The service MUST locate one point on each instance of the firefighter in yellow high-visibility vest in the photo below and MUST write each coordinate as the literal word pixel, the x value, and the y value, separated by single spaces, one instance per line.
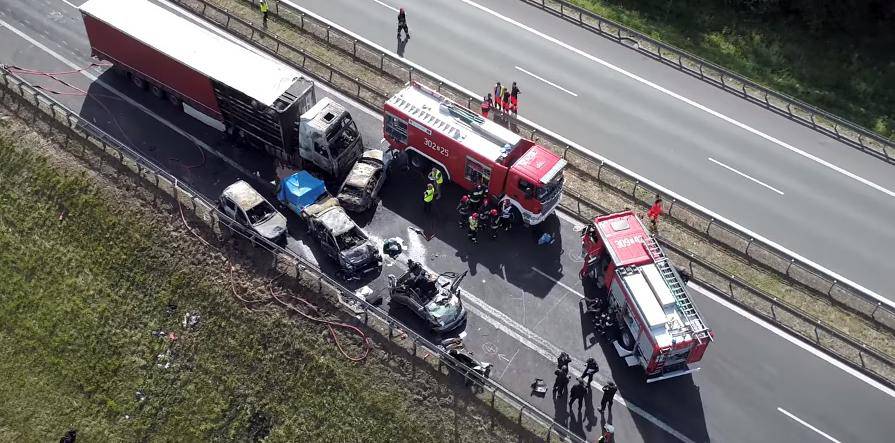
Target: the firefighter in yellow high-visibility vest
pixel 262 5
pixel 428 197
pixel 473 227
pixel 437 179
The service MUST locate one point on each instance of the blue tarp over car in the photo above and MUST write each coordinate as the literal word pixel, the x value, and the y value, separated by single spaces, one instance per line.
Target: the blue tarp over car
pixel 300 190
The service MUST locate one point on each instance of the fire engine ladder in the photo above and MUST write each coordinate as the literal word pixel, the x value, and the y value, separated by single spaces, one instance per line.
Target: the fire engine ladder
pixel 693 323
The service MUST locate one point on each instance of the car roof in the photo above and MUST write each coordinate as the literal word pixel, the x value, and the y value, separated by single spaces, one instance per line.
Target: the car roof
pixel 243 194
pixel 336 220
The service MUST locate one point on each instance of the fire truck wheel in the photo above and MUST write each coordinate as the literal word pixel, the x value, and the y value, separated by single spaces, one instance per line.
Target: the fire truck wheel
pixel 157 91
pixel 628 341
pixel 418 161
pixel 138 81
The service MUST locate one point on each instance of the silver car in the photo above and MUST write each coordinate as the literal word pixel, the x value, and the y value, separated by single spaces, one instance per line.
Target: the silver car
pixel 434 299
pixel 244 204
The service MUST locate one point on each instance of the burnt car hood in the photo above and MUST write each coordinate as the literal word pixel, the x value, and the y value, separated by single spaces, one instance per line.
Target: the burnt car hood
pixel 360 256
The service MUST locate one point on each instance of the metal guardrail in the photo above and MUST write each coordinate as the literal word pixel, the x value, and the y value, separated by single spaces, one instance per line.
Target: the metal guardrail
pixel 847 132
pixel 16 92
pixel 748 246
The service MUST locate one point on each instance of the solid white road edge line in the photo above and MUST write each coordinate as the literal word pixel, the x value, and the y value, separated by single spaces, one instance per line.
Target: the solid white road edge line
pixel 607 161
pixel 744 175
pixel 387 6
pixel 547 350
pixel 807 425
pixel 542 351
pixel 794 340
pixel 547 81
pixel 684 99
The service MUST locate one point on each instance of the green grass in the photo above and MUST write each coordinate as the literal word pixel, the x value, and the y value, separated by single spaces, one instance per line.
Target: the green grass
pixel 80 297
pixel 848 70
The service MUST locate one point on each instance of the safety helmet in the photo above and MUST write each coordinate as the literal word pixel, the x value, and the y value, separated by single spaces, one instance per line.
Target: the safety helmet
pixel 464 199
pixel 493 212
pixel 505 203
pixel 475 215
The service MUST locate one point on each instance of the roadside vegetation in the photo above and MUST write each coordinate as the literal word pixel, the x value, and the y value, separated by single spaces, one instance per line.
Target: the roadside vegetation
pixel 99 281
pixel 579 181
pixel 835 55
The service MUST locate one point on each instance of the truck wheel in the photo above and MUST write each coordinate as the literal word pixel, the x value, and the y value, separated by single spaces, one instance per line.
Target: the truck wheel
pixel 418 161
pixel 175 100
pixel 157 91
pixel 138 81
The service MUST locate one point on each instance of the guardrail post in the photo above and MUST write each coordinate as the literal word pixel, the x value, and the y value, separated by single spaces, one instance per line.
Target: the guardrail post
pixel 410 74
pixel 521 409
pixel 381 62
pixel 873 314
pixel 366 315
pixel 816 335
pixel 357 81
pixel 829 291
pixel 390 330
pixel 729 285
pixel 861 356
pixel 709 226
pixel 600 169
pixel 791 261
pixel 774 313
pixel 414 346
pixel 750 244
pixel 327 34
pixel 634 191
pixel 354 51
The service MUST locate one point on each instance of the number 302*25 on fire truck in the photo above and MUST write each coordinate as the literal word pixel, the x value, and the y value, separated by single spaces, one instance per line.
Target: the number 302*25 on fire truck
pixel 661 330
pixel 472 150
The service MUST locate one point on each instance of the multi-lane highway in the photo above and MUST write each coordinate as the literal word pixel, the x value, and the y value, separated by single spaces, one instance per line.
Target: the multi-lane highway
pixel 755 384
pixel 802 190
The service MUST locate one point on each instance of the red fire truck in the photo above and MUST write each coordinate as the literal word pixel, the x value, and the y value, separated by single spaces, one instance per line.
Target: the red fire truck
pixel 660 328
pixel 472 150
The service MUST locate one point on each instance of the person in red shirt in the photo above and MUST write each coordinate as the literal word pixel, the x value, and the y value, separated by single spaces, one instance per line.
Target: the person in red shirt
pixel 653 215
pixel 486 105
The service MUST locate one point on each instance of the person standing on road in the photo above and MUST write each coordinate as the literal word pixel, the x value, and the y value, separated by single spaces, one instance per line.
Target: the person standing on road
pixel 562 380
pixel 473 227
pixel 402 24
pixel 264 8
pixel 563 360
pixel 577 394
pixel 437 179
pixel 428 196
pixel 608 394
pixel 514 98
pixel 463 211
pixel 506 214
pixel 590 369
pixel 476 197
pixel 497 96
pixel 494 218
pixel 507 101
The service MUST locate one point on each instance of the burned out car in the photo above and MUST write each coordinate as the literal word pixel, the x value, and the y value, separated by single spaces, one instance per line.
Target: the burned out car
pixel 339 237
pixel 241 202
pixel 360 190
pixel 431 297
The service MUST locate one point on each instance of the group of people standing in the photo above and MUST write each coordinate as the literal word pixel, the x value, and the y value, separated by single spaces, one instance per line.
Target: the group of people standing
pixel 476 212
pixel 504 100
pixel 581 387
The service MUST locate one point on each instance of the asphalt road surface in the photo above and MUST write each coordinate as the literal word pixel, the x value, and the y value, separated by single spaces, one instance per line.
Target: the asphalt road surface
pixel 658 122
pixel 755 384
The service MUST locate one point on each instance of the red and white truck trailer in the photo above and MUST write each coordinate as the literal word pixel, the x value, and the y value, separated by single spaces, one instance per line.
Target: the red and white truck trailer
pixel 223 82
pixel 661 330
pixel 471 150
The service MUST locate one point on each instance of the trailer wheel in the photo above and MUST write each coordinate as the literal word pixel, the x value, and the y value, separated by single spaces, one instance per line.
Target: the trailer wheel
pixel 157 91
pixel 138 81
pixel 175 100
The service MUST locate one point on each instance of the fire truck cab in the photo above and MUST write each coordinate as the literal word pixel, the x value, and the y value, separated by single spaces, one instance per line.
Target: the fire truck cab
pixel 660 328
pixel 471 150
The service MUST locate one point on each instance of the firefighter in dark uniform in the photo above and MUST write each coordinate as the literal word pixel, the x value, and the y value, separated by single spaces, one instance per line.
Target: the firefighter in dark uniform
pixel 476 196
pixel 463 211
pixel 494 222
pixel 506 214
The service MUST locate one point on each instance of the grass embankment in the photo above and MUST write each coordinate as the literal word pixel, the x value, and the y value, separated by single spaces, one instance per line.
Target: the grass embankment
pixel 827 61
pixel 91 267
pixel 579 183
